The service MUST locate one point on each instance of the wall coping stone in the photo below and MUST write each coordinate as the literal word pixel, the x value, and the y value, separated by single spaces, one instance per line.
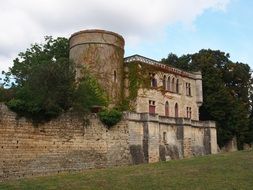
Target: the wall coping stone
pixel 146 117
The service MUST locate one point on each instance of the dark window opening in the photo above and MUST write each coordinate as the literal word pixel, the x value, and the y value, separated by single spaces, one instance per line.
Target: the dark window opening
pixel 168 84
pixel 114 76
pixel 172 85
pixel 177 86
pixel 167 112
pixel 176 110
pixel 153 80
pixel 164 82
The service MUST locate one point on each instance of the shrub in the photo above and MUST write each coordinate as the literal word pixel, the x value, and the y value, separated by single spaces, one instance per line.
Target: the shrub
pixel 110 117
pixel 88 94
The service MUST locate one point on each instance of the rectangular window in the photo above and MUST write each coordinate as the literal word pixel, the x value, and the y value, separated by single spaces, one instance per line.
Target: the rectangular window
pixel 164 137
pixel 188 112
pixel 151 107
pixel 188 89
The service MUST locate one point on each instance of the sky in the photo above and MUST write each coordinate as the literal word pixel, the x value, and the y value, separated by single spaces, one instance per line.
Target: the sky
pixel 152 28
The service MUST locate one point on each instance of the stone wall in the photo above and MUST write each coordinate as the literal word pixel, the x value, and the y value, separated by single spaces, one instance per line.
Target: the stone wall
pixel 63 144
pixel 154 138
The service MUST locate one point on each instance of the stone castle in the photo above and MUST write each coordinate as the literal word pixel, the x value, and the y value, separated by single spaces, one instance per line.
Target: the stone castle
pixel 163 123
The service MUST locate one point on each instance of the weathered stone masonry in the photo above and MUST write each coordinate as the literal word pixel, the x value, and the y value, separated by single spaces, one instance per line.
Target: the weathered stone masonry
pixel 154 138
pixel 65 144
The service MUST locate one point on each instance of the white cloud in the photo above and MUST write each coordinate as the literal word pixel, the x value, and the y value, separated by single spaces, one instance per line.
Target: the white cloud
pixel 27 21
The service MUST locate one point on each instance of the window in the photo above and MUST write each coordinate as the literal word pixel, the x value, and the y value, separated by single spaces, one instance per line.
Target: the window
pixel 151 107
pixel 164 137
pixel 188 112
pixel 164 82
pixel 177 86
pixel 188 89
pixel 167 110
pixel 168 84
pixel 172 85
pixel 114 76
pixel 153 80
pixel 176 110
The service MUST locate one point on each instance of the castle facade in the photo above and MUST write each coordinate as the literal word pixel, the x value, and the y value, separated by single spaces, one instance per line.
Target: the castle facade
pixel 162 122
pixel 164 101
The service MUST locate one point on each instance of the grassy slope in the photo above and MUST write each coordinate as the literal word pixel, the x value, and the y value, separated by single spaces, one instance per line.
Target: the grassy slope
pixel 223 171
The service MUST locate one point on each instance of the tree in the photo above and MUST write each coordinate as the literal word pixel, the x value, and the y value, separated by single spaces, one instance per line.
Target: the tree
pixel 51 51
pixel 45 83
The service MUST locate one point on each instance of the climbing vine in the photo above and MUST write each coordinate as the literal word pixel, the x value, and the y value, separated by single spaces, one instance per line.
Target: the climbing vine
pixel 138 77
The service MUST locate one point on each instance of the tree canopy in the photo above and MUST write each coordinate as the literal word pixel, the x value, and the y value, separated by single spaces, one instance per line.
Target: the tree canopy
pixel 44 83
pixel 226 92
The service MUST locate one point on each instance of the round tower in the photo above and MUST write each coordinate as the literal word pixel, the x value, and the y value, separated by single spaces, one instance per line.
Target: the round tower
pixel 102 53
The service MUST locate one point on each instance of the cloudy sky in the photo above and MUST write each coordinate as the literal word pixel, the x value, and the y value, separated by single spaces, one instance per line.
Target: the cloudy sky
pixel 152 28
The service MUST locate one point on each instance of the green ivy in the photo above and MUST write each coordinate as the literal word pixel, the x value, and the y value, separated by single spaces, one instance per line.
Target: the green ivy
pixel 138 76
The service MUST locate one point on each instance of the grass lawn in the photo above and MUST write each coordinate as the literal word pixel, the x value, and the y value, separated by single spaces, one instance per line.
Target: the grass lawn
pixel 222 171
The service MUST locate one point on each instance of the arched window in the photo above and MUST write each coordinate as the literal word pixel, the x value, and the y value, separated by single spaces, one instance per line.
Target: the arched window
pixel 167 110
pixel 168 84
pixel 164 82
pixel 176 110
pixel 114 76
pixel 173 85
pixel 177 86
pixel 153 81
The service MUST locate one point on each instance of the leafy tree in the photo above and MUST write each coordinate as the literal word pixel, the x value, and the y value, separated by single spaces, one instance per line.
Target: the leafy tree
pixel 182 62
pixel 46 92
pixel 226 87
pixel 45 83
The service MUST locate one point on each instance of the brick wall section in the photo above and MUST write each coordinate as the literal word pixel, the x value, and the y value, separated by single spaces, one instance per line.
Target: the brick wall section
pixel 63 144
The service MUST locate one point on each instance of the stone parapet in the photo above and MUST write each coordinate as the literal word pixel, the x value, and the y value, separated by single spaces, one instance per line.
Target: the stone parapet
pixel 145 117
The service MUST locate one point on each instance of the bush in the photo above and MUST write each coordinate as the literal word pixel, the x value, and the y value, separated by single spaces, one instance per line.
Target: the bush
pixel 110 117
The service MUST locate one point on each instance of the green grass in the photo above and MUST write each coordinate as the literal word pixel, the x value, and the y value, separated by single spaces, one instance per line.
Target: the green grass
pixel 222 171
